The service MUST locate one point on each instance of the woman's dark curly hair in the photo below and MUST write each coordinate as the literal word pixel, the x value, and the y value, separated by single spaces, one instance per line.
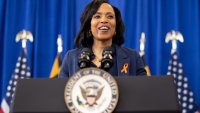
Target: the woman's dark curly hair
pixel 84 38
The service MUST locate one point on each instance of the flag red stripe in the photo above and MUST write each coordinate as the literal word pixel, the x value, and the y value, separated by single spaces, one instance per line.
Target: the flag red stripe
pixel 1 111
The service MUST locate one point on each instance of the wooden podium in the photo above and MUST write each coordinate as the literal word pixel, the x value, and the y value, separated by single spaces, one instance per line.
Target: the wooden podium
pixel 137 94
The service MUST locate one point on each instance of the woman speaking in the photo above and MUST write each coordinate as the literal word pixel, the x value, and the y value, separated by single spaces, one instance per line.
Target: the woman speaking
pixel 99 44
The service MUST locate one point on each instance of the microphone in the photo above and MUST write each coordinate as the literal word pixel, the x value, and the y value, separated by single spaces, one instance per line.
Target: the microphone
pixel 84 59
pixel 107 60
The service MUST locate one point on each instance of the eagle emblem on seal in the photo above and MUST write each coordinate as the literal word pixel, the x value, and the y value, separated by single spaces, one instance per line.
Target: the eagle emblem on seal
pixel 91 93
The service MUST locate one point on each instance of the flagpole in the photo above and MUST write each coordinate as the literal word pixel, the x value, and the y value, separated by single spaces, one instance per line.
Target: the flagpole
pixel 60 43
pixel 142 44
pixel 142 53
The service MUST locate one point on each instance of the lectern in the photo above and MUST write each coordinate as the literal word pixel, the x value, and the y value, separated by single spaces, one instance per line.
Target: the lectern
pixel 137 94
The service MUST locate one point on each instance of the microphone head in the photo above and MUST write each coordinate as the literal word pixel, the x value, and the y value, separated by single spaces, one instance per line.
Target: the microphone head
pixel 108 50
pixel 107 60
pixel 84 58
pixel 86 51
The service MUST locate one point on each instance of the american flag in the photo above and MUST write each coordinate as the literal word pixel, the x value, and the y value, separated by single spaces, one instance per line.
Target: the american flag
pixel 185 95
pixel 22 71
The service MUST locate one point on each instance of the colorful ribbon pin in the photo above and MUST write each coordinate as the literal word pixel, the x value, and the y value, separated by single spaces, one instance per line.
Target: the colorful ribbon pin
pixel 124 69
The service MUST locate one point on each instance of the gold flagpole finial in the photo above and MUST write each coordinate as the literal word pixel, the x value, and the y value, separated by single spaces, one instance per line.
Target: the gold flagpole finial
pixel 24 35
pixel 142 43
pixel 174 36
pixel 59 43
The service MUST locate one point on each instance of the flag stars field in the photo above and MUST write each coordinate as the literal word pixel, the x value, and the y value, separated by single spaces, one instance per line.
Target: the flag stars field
pixel 21 71
pixel 185 95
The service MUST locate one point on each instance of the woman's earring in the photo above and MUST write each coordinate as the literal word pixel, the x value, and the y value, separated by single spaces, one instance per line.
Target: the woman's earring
pixel 90 33
pixel 115 34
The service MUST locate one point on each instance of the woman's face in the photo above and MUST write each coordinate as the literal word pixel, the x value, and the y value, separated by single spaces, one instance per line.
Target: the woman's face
pixel 103 23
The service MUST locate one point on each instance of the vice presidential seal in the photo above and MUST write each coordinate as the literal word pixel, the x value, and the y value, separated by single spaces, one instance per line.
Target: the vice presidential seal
pixel 91 90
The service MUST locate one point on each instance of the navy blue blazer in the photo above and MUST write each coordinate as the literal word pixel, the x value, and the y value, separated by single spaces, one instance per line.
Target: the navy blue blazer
pixel 127 62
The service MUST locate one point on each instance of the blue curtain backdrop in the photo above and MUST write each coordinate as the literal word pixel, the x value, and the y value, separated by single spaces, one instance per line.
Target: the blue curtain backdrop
pixel 48 18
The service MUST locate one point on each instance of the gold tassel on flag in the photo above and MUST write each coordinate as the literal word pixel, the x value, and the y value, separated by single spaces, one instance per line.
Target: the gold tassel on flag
pixel 58 60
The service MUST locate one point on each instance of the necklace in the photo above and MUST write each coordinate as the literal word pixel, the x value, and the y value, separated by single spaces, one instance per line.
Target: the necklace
pixel 96 58
pixel 97 61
